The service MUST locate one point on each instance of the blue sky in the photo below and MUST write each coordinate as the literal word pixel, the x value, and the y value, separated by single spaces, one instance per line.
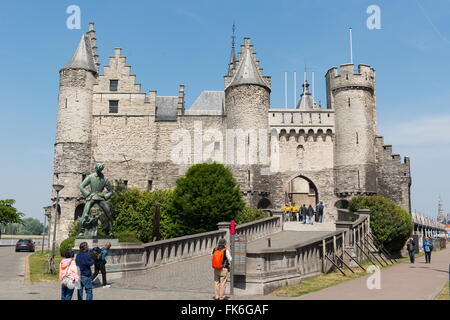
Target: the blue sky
pixel 168 43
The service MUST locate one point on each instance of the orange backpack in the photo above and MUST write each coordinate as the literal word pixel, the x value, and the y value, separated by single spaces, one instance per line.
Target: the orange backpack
pixel 218 258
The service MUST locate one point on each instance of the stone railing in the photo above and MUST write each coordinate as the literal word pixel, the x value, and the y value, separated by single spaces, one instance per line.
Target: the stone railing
pixel 355 230
pixel 182 248
pixel 269 269
pixel 258 229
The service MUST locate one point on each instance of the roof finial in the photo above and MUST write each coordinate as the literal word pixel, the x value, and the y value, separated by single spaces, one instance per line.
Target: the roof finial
pixel 233 54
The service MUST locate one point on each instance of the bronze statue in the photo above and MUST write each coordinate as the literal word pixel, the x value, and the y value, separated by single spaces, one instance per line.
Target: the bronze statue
pixel 98 182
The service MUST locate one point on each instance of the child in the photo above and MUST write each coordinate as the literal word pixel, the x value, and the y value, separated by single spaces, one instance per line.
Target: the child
pixel 68 268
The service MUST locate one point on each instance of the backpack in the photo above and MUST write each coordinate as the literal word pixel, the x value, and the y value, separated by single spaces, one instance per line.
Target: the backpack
pixel 96 254
pixel 218 258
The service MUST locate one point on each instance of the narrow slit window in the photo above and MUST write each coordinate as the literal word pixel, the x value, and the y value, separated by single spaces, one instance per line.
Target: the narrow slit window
pixel 149 185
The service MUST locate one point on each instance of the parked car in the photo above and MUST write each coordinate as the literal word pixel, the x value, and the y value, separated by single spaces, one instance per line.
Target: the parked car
pixel 25 245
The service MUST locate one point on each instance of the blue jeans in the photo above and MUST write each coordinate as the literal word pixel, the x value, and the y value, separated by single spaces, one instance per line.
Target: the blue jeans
pixel 66 293
pixel 86 283
pixel 304 219
pixel 411 255
pixel 310 219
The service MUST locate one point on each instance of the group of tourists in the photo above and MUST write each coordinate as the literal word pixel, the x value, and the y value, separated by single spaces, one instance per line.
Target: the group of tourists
pixel 427 246
pixel 77 274
pixel 303 214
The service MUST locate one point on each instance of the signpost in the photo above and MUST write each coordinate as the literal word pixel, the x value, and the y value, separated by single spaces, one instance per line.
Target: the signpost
pixel 232 235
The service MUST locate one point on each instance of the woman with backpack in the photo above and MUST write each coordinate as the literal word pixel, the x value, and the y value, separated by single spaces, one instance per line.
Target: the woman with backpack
pixel 68 275
pixel 221 259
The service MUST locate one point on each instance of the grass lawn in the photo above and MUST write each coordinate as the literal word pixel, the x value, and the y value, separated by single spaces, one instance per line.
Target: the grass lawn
pixel 326 280
pixel 38 265
pixel 445 293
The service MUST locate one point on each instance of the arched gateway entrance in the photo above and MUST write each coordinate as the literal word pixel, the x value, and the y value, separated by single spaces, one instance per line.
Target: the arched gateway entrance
pixel 300 190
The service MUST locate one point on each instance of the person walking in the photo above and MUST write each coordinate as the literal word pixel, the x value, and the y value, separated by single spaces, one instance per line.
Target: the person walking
pixel 68 275
pixel 221 259
pixel 84 262
pixel 303 212
pixel 100 264
pixel 310 214
pixel 427 247
pixel 411 247
pixel 319 212
pixel 286 210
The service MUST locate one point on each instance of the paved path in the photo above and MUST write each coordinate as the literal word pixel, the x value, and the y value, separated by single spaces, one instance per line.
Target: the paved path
pixel 419 281
pixel 12 265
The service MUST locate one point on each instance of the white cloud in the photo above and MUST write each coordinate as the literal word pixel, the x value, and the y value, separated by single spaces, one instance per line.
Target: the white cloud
pixel 432 130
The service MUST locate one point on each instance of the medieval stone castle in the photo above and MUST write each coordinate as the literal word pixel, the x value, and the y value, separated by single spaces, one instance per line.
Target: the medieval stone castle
pixel 327 154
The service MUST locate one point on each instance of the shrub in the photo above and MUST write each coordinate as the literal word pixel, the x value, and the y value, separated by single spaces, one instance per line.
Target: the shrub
pixel 249 214
pixel 205 196
pixel 133 211
pixel 390 224
pixel 127 236
pixel 68 243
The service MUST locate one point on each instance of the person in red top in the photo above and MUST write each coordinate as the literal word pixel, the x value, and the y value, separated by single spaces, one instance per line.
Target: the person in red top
pixel 221 268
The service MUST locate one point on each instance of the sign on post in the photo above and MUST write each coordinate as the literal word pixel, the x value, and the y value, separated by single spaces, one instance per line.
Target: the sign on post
pixel 240 253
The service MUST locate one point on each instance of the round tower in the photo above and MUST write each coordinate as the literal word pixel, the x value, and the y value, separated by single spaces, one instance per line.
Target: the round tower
pixel 352 96
pixel 72 156
pixel 247 100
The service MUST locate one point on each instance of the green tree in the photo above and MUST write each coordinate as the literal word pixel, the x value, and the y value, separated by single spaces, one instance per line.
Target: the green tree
pixel 32 226
pixel 9 214
pixel 206 195
pixel 390 224
pixel 249 214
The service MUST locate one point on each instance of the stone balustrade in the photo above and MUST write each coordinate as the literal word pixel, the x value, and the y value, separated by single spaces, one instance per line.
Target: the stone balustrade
pixel 258 229
pixel 181 248
pixel 269 269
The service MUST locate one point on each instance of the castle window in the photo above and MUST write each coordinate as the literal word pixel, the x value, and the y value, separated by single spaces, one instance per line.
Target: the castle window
pixel 217 145
pixel 125 183
pixel 357 140
pixel 149 185
pixel 292 118
pixel 282 118
pixel 113 106
pixel 349 102
pixel 113 85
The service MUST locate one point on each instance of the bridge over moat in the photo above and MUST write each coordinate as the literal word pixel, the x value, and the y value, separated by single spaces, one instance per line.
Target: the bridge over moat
pixel 296 252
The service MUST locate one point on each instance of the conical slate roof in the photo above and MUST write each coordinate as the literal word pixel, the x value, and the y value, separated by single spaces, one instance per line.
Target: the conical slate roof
pixel 82 58
pixel 247 70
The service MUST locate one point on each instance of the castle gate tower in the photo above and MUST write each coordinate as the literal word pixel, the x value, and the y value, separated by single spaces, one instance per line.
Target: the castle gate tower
pixel 352 96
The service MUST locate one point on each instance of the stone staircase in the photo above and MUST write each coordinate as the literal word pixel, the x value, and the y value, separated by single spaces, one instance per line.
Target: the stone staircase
pixel 299 226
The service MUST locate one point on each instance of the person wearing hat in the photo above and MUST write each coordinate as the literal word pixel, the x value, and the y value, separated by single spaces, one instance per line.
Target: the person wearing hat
pixel 221 259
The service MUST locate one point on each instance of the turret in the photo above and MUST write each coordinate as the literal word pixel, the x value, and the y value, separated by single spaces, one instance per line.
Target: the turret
pixel 73 132
pixel 352 96
pixel 247 100
pixel 247 92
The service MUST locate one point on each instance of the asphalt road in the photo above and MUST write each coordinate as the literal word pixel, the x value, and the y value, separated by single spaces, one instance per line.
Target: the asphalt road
pixel 12 265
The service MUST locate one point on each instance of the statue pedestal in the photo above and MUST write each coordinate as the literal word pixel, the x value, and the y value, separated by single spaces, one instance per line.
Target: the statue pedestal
pixel 96 242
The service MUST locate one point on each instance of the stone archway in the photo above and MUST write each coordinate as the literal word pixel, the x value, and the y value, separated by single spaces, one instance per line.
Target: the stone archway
pixel 264 203
pixel 301 190
pixel 78 211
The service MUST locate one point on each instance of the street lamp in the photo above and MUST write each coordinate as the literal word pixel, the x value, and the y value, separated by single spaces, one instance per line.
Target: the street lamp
pixel 58 188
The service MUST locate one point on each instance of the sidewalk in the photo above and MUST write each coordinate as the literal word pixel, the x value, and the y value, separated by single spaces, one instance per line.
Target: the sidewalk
pixel 419 281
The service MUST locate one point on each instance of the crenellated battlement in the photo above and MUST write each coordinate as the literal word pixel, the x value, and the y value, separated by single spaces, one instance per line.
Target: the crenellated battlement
pixel 347 78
